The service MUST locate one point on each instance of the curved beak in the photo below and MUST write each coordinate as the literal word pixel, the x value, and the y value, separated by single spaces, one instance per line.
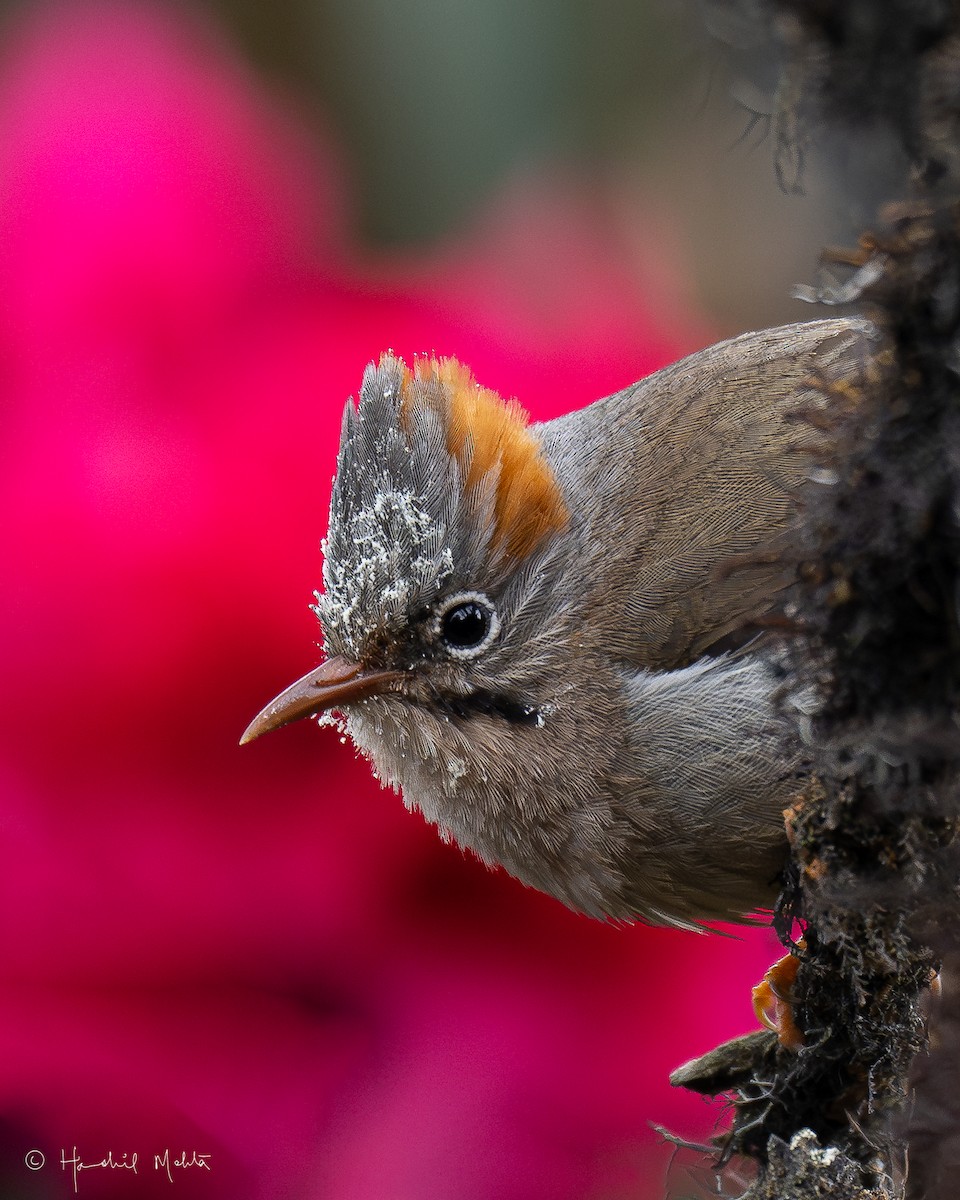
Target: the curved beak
pixel 333 684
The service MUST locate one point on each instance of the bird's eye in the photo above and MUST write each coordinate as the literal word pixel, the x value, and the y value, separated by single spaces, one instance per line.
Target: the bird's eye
pixel 467 624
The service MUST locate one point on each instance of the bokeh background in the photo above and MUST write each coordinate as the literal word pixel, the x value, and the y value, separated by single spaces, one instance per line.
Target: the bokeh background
pixel 211 217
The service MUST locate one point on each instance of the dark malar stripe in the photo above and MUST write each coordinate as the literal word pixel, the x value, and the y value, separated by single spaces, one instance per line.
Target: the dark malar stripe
pixel 492 704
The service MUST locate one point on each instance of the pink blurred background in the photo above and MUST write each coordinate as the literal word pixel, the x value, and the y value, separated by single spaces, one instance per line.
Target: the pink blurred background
pixel 256 955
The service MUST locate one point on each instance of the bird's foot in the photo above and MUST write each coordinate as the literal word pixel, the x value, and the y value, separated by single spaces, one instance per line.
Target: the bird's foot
pixel 773 1001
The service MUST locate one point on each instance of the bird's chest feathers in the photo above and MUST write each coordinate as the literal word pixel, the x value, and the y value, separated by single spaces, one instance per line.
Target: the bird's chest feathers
pixel 510 793
pixel 469 776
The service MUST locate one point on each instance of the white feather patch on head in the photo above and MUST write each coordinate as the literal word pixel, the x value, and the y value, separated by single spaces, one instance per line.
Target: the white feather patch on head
pixel 383 533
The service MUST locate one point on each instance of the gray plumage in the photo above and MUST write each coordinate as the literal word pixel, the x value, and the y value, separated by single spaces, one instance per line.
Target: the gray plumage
pixel 591 746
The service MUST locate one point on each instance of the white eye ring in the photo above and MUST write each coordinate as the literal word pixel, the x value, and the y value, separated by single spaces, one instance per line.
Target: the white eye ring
pixel 466 624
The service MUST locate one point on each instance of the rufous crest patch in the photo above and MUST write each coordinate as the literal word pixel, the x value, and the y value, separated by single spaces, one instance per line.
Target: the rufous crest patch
pixel 484 432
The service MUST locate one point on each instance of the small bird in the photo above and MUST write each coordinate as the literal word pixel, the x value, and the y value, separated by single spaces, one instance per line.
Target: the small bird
pixel 546 636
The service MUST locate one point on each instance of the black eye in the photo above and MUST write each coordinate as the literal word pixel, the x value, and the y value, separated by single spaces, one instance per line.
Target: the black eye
pixel 468 624
pixel 465 626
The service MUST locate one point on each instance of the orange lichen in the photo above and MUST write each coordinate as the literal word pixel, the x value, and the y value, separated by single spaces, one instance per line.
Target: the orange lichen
pixel 485 432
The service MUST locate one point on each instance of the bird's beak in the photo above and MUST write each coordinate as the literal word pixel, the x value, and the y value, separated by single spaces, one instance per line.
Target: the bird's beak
pixel 336 682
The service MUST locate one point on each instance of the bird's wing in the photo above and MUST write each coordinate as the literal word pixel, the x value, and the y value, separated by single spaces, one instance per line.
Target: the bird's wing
pixel 687 489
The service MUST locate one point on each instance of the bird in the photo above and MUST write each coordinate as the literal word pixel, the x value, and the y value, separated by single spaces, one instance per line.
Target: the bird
pixel 554 639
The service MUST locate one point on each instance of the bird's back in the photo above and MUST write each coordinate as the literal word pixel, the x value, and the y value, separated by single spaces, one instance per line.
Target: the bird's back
pixel 685 488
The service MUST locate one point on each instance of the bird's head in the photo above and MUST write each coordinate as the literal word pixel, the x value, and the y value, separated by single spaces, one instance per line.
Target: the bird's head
pixel 438 603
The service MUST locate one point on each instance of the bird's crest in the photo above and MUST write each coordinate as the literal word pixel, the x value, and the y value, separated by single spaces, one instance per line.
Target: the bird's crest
pixel 486 433
pixel 437 478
